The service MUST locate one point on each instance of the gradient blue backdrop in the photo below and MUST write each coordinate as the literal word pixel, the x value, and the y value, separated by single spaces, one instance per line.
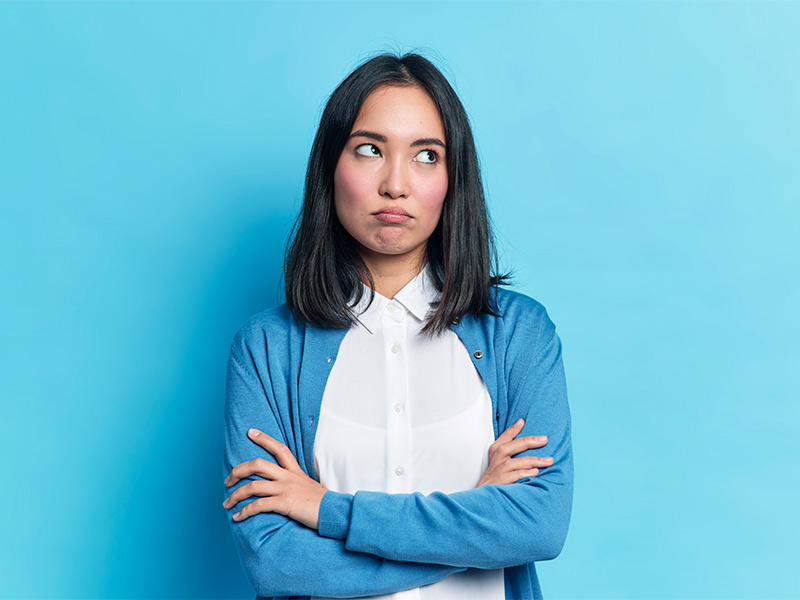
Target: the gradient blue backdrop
pixel 641 161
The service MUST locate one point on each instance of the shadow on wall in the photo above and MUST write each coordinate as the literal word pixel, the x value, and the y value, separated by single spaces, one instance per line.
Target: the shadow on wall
pixel 172 499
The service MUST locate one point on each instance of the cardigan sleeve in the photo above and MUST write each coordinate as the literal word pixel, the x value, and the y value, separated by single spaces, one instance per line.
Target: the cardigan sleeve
pixel 280 556
pixel 492 526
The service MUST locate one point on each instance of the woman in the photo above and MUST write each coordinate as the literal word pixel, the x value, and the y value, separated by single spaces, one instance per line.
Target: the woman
pixel 380 424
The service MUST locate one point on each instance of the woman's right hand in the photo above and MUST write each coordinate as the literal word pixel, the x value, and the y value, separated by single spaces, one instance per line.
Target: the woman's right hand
pixel 503 468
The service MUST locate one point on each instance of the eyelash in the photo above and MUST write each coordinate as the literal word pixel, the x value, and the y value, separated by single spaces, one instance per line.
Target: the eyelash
pixel 435 160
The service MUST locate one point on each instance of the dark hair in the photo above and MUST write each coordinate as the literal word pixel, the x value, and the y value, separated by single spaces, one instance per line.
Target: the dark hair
pixel 323 270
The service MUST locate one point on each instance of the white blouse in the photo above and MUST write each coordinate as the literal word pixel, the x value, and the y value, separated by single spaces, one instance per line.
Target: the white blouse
pixel 403 412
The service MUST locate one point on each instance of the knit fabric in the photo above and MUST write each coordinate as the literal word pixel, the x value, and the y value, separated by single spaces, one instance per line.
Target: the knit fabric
pixel 372 543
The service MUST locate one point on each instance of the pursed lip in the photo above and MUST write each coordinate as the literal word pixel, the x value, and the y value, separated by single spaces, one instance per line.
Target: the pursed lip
pixel 392 210
pixel 392 214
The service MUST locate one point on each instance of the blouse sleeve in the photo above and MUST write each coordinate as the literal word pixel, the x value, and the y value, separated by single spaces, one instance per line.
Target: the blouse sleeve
pixel 280 556
pixel 492 526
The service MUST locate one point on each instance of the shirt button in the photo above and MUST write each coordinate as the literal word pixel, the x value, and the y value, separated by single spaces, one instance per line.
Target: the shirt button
pixel 398 408
pixel 391 308
pixel 395 348
pixel 399 471
pixel 478 354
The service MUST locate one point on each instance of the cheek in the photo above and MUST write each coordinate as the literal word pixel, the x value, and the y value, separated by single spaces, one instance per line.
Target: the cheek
pixel 350 188
pixel 434 194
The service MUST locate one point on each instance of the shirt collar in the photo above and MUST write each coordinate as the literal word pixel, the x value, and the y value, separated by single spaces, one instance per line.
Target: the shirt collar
pixel 416 297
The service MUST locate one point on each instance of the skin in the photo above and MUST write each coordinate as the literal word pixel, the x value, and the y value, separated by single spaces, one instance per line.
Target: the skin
pixel 389 187
pixel 395 159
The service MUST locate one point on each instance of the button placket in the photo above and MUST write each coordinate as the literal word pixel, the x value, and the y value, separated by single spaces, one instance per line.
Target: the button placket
pixel 398 435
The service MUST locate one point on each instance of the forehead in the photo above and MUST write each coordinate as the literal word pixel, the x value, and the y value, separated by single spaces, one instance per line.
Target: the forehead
pixel 400 111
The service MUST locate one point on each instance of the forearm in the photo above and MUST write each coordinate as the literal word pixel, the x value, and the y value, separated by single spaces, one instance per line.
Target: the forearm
pixel 283 558
pixel 489 527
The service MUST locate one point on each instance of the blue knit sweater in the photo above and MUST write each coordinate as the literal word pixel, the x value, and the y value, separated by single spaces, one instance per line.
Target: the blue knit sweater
pixel 374 543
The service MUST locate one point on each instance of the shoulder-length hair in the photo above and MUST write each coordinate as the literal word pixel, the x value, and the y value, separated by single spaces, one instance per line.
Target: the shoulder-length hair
pixel 323 270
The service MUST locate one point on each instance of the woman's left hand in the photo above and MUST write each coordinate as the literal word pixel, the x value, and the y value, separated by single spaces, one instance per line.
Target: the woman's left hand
pixel 286 490
pixel 503 469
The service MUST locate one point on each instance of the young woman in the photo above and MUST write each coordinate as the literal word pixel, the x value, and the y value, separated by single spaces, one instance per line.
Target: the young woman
pixel 381 425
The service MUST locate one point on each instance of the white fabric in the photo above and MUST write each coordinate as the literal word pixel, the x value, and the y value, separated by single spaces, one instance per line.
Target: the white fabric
pixel 403 412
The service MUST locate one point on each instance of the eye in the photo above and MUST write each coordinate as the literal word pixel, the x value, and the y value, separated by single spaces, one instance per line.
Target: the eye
pixel 426 156
pixel 368 150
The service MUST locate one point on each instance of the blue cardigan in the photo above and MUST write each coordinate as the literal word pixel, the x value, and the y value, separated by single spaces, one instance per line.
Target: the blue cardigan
pixel 373 543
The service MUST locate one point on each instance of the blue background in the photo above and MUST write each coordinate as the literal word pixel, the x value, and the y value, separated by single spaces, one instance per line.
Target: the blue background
pixel 641 161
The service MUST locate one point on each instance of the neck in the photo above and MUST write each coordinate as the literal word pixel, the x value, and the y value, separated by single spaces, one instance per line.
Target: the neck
pixel 390 274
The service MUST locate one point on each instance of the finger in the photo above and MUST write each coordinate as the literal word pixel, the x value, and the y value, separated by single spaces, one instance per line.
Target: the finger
pixel 510 477
pixel 529 442
pixel 254 488
pixel 527 462
pixel 257 466
pixel 523 473
pixel 515 476
pixel 280 451
pixel 262 505
pixel 505 437
pixel 510 433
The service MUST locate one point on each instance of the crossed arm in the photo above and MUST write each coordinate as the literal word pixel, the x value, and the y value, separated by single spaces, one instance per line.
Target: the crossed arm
pixel 374 543
pixel 287 490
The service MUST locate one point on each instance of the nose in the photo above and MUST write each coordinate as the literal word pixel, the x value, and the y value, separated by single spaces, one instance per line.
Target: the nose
pixel 395 182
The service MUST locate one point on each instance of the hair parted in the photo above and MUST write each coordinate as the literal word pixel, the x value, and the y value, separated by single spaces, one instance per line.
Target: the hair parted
pixel 323 270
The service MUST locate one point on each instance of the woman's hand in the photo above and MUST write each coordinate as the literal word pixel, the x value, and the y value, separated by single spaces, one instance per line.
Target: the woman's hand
pixel 502 468
pixel 287 489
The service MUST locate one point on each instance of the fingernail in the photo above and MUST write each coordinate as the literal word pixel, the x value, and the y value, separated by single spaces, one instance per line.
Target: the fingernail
pixel 227 480
pixel 225 504
pixel 518 423
pixel 236 516
pixel 253 433
pixel 549 460
pixel 540 438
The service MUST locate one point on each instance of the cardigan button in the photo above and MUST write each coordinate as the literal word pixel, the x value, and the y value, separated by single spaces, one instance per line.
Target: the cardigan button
pixel 455 321
pixel 478 354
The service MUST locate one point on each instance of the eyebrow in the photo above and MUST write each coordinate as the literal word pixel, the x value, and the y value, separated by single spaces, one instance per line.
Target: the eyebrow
pixel 429 142
pixel 382 138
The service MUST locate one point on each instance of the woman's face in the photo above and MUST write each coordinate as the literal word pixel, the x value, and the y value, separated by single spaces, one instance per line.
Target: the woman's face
pixel 391 178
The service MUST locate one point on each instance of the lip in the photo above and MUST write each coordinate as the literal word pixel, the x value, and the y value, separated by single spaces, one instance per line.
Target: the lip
pixel 392 214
